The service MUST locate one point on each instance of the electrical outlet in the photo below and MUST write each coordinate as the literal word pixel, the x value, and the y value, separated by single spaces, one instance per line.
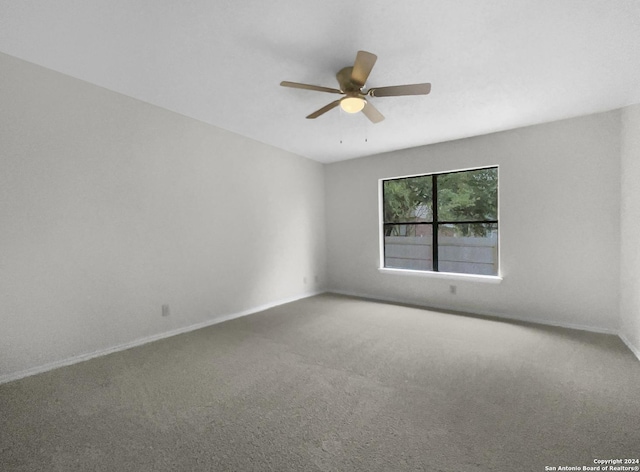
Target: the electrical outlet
pixel 165 310
pixel 315 278
pixel 304 280
pixel 453 289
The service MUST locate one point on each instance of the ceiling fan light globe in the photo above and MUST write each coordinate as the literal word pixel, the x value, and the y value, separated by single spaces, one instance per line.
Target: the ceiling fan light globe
pixel 352 104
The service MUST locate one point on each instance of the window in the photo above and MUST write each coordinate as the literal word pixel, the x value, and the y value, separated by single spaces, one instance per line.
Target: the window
pixel 445 222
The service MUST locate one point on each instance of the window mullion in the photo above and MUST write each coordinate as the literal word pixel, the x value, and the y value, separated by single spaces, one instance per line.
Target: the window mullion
pixel 434 227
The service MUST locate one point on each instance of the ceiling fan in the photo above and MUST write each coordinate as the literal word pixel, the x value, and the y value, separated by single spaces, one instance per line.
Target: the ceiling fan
pixel 351 81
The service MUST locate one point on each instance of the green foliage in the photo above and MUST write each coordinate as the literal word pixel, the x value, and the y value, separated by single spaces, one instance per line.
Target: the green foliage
pixel 462 196
pixel 469 196
pixel 407 200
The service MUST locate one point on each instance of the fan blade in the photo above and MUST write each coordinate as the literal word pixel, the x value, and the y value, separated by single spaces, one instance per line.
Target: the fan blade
pixel 323 110
pixel 317 88
pixel 397 90
pixel 362 67
pixel 372 113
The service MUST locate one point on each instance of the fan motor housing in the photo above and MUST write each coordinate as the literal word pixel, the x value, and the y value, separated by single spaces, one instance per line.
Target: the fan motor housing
pixel 346 84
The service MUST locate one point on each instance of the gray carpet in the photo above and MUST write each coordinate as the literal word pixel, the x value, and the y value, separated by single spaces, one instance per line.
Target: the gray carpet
pixel 333 383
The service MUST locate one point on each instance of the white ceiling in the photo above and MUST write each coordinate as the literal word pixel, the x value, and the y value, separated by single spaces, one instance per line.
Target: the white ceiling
pixel 493 65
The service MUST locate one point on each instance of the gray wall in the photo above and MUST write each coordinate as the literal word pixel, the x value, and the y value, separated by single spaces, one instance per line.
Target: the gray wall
pixel 110 207
pixel 630 233
pixel 559 197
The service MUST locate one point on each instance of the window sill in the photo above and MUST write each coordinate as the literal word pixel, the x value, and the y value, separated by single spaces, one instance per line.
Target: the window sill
pixel 491 279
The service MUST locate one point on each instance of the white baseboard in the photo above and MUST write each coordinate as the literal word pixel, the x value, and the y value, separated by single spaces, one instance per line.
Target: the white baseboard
pixel 631 347
pixel 147 339
pixel 594 329
pixel 525 319
pixel 219 319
